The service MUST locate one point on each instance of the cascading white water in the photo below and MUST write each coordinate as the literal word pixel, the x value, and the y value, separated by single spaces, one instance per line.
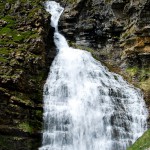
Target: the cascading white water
pixel 86 107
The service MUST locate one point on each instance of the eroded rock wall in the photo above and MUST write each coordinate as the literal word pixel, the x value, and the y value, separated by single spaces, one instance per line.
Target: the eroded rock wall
pixel 26 52
pixel 116 32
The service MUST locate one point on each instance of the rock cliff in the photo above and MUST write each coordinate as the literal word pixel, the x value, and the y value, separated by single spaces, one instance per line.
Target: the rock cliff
pixel 26 52
pixel 116 32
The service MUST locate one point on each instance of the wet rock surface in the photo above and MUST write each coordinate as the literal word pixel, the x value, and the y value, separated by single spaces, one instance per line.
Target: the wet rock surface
pixel 26 52
pixel 116 32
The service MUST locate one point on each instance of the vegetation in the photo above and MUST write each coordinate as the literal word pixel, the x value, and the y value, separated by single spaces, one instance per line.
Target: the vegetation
pixel 143 143
pixel 22 71
pixel 26 127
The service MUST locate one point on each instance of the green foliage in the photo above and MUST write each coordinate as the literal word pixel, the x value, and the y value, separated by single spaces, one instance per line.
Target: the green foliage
pixel 32 13
pixel 2 59
pixel 4 51
pixel 26 127
pixel 39 113
pixel 132 71
pixel 142 80
pixel 10 21
pixel 19 25
pixel 142 73
pixel 5 31
pixel 34 35
pixel 142 143
pixel 18 38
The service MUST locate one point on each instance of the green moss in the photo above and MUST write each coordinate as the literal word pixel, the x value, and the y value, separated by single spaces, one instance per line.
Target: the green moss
pixel 132 71
pixel 18 38
pixel 39 113
pixel 145 86
pixel 10 21
pixel 17 138
pixel 27 34
pixel 25 127
pixel 21 99
pixel 7 41
pixel 11 1
pixel 5 31
pixel 107 1
pixel 142 143
pixel 142 73
pixel 33 36
pixel 4 51
pixel 125 35
pixel 21 49
pixel 32 13
pixel 36 124
pixel 19 143
pixel 140 77
pixel 3 89
pixel 14 35
pixel 71 1
pixel 4 142
pixel 3 60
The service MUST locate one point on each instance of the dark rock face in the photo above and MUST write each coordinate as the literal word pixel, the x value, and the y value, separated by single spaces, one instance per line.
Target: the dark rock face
pixel 116 32
pixel 26 52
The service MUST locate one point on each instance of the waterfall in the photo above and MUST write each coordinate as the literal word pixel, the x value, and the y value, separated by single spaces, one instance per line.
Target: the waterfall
pixel 86 107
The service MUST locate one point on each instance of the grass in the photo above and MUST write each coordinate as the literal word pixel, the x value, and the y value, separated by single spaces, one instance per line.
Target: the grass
pixel 142 143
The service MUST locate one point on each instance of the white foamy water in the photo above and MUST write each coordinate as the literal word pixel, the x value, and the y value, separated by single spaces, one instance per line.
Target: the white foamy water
pixel 86 107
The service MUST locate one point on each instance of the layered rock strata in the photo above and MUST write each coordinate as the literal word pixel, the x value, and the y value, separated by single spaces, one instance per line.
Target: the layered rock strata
pixel 116 32
pixel 26 52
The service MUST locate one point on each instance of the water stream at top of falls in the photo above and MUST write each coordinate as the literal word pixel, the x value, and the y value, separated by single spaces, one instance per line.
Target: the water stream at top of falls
pixel 86 107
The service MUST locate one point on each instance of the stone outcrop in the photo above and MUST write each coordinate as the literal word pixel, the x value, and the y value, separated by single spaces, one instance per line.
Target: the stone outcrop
pixel 116 32
pixel 26 52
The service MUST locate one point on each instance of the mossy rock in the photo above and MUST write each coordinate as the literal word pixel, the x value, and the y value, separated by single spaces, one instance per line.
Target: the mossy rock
pixel 26 127
pixel 143 143
pixel 18 143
